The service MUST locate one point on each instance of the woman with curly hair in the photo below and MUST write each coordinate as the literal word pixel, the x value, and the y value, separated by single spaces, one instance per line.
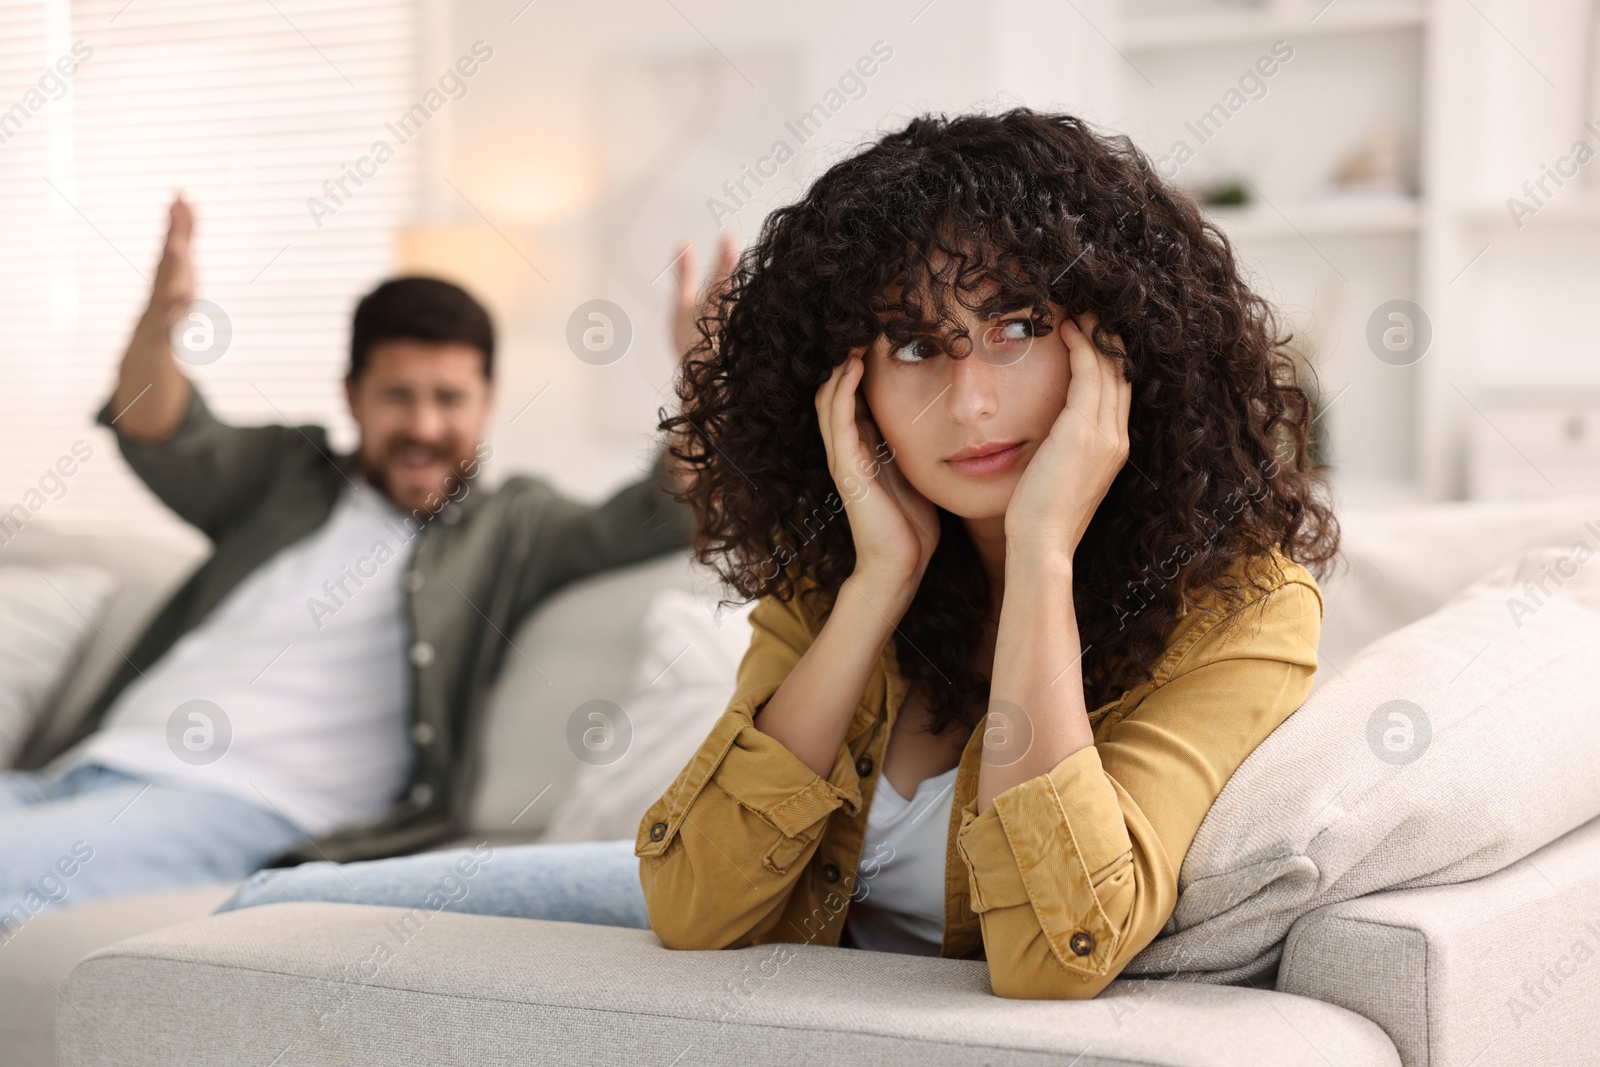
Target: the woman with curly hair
pixel 1016 465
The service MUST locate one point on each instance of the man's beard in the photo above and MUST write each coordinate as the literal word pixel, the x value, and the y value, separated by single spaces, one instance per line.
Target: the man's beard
pixel 377 475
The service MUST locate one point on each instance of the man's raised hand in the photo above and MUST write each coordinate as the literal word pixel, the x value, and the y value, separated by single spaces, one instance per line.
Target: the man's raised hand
pixel 693 301
pixel 152 394
pixel 174 287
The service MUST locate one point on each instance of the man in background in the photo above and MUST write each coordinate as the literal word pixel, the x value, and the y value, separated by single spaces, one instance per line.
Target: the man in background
pixel 316 688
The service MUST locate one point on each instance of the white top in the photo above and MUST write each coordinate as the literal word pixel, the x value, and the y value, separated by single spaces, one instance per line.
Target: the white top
pixel 898 905
pixel 306 660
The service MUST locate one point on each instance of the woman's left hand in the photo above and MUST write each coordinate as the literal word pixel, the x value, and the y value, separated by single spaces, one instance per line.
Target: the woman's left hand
pixel 1074 466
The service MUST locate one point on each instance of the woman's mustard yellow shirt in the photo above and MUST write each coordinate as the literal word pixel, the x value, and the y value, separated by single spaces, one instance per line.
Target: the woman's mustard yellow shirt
pixel 1066 876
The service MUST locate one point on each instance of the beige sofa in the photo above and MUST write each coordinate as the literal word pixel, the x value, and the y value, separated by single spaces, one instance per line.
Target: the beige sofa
pixel 1388 978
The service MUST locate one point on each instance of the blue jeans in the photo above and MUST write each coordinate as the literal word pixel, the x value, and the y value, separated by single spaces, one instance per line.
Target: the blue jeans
pixel 581 882
pixel 93 832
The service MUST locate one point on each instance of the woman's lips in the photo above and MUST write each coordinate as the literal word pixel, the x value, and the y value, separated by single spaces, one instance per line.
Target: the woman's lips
pixel 986 459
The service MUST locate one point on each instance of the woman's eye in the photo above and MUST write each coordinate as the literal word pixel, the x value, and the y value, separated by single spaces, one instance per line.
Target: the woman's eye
pixel 1013 330
pixel 912 352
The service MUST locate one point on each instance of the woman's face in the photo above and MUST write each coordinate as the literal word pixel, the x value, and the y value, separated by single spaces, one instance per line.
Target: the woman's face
pixel 964 429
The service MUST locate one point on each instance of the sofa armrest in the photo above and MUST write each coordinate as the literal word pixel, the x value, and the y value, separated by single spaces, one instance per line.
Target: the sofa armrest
pixel 1501 970
pixel 299 984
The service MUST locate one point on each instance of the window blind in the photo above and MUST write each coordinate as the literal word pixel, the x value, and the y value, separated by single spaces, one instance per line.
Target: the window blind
pixel 249 106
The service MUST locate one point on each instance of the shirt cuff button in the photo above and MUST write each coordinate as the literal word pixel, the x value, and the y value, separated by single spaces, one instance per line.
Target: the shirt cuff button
pixel 658 831
pixel 1081 943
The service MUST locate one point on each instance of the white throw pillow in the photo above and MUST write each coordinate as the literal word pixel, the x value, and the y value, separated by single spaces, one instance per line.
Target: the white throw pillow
pixel 46 614
pixel 685 679
pixel 1441 753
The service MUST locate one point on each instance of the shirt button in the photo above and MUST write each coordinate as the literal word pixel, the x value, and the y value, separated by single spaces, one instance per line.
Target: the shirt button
pixel 830 873
pixel 423 733
pixel 863 766
pixel 414 581
pixel 1081 943
pixel 422 794
pixel 421 654
pixel 658 831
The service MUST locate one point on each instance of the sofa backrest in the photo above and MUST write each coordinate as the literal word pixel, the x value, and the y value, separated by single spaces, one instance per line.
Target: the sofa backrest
pixel 1401 562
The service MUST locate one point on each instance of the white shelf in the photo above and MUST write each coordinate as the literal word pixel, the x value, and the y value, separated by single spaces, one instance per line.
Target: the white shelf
pixel 1568 207
pixel 1162 32
pixel 1321 219
pixel 1538 396
pixel 1463 98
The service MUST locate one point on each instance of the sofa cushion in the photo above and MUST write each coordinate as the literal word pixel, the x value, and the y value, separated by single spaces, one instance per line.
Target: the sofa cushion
pixel 147 569
pixel 1442 753
pixel 46 616
pixel 685 677
pixel 581 645
pixel 348 984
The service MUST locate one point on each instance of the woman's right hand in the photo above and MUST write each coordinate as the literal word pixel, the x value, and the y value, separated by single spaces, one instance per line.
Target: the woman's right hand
pixel 894 527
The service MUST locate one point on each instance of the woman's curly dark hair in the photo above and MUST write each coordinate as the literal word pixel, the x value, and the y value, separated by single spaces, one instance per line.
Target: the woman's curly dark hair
pixel 1020 209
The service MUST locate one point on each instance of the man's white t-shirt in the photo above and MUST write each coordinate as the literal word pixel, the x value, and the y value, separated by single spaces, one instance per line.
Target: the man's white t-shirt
pixel 298 678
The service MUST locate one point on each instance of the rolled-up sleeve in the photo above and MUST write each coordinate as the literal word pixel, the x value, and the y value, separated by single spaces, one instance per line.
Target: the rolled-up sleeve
pixel 721 849
pixel 1075 871
pixel 207 471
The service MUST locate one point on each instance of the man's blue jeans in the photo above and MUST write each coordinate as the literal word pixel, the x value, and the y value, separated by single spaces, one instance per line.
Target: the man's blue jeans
pixel 93 832
pixel 582 881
